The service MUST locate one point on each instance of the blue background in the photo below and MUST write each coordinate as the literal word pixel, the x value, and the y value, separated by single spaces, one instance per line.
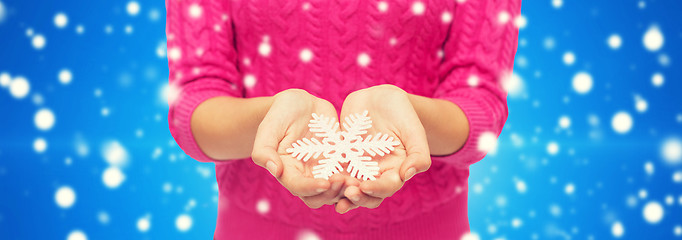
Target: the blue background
pixel 129 71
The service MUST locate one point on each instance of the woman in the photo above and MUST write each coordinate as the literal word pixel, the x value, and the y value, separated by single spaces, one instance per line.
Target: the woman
pixel 250 74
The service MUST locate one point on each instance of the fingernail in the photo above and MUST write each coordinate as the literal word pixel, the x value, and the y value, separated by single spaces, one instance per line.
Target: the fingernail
pixel 319 190
pixel 410 173
pixel 355 198
pixel 272 167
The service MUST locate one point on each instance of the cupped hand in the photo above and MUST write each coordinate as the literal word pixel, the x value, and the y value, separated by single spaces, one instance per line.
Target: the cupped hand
pixel 392 113
pixel 286 122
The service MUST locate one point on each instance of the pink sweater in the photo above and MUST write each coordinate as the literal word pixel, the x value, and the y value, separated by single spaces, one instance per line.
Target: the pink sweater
pixel 456 50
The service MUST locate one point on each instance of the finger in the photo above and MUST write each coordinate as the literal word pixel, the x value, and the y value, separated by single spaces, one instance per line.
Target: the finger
pixel 268 159
pixel 359 198
pixel 302 186
pixel 314 204
pixel 264 152
pixel 384 186
pixel 330 196
pixel 344 205
pixel 418 156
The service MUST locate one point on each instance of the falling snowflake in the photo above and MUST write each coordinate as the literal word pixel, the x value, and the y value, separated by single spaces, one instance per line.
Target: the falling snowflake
pixel 343 146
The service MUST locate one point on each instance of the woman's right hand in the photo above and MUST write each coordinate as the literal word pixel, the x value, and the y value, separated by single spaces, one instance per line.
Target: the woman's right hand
pixel 286 122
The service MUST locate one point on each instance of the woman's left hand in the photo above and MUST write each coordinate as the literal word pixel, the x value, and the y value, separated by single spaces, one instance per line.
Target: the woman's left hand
pixel 392 113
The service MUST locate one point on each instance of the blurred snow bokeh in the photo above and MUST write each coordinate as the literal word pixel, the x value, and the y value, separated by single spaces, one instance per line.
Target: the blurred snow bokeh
pixel 591 148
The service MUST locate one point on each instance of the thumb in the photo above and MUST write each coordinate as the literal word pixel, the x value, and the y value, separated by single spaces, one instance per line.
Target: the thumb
pixel 264 152
pixel 269 159
pixel 416 162
pixel 418 156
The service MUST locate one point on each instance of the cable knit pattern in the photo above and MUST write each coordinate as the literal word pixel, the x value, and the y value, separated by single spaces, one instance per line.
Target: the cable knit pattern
pixel 458 51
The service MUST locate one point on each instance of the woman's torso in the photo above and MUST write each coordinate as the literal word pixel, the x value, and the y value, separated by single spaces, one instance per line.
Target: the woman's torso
pixel 330 49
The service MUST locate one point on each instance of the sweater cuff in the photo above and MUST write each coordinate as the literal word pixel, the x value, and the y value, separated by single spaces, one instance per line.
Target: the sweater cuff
pixel 180 117
pixel 480 122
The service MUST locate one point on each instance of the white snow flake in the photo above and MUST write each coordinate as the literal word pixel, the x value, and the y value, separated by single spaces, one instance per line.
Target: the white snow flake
pixel 614 41
pixel 38 41
pixel 569 189
pixel 582 82
pixel 473 80
pixel 3 12
pixel 653 39
pixel 174 54
pixel 503 17
pixel 653 212
pixel 263 206
pixel 363 59
pixel 19 87
pixel 60 20
pixel 521 186
pixel 418 8
pixel 195 10
pixel 621 122
pixel 5 79
pixel 39 145
pixel 306 55
pixel 80 29
pixel 487 142
pixel 65 76
pixel 44 119
pixel 264 48
pixel 564 122
pixel 520 21
pixel 77 235
pixel 617 229
pixel 552 148
pixel 133 8
pixel 183 222
pixel 65 197
pixel 343 147
pixel 657 79
pixel 470 236
pixel 641 104
pixel 114 153
pixel 446 17
pixel 144 223
pixel 113 177
pixel 569 58
pixel 557 3
pixel 513 84
pixel 649 168
pixel 308 235
pixel 249 80
pixel 671 151
pixel 382 6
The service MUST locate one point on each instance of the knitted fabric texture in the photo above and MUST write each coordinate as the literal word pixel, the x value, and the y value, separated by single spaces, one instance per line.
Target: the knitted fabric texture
pixel 459 51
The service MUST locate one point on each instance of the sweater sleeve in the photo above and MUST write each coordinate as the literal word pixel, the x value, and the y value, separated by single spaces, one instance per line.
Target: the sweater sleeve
pixel 202 63
pixel 478 55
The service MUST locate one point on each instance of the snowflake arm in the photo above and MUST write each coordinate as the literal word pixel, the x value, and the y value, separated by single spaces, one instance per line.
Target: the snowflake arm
pixel 380 144
pixel 322 126
pixel 326 168
pixel 363 168
pixel 357 124
pixel 305 148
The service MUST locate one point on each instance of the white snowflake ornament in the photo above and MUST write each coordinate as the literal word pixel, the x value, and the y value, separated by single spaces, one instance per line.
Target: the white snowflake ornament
pixel 343 146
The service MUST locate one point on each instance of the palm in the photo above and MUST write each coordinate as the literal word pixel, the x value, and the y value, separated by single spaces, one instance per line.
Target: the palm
pixel 391 113
pixel 389 120
pixel 380 124
pixel 294 133
pixel 285 122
